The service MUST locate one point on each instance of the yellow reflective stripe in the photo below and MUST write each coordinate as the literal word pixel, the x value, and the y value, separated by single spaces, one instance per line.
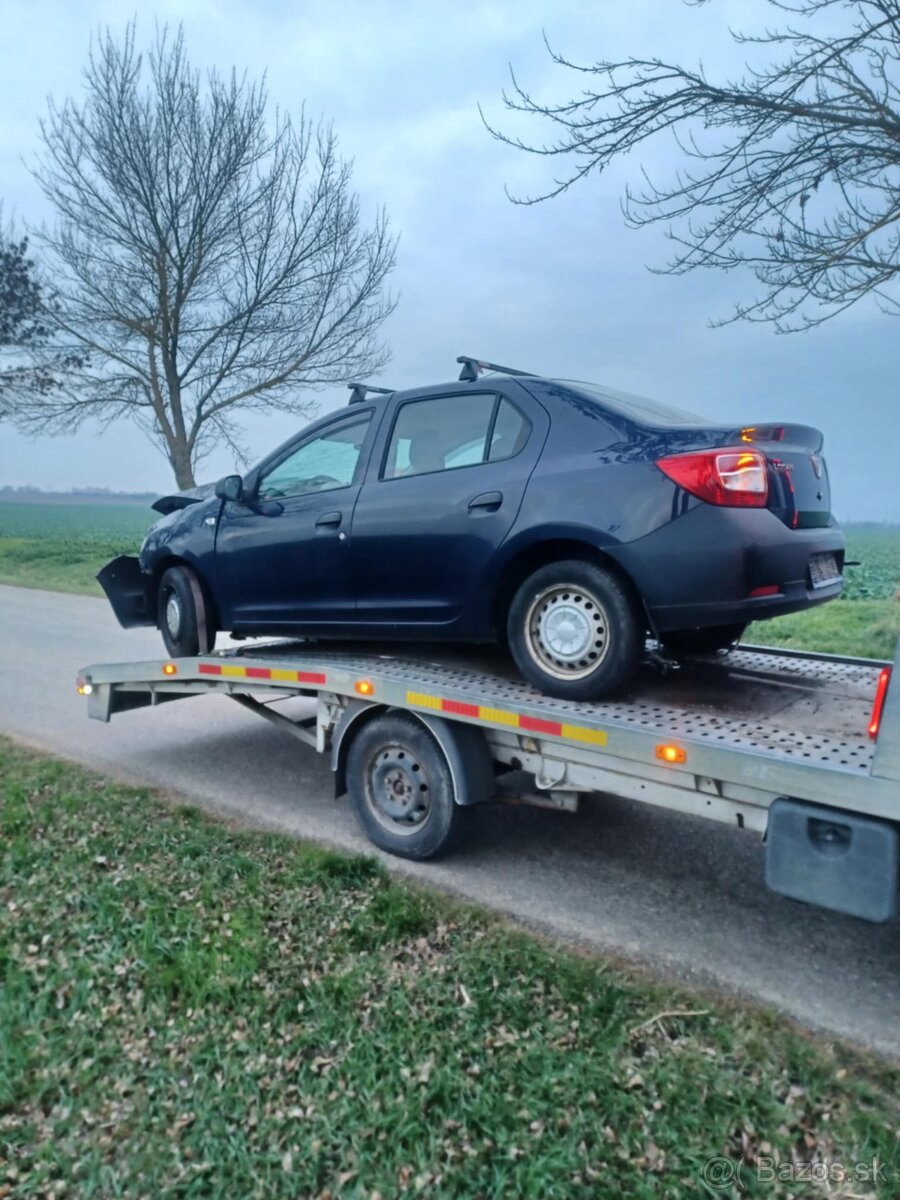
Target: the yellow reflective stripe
pixel 421 700
pixel 595 737
pixel 284 676
pixel 238 672
pixel 498 716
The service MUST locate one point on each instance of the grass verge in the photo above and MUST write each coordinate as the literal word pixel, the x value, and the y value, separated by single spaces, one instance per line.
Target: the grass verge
pixel 56 564
pixel 867 628
pixel 187 1010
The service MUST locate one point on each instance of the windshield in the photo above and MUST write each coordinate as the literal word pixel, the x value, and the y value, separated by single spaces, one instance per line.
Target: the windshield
pixel 649 412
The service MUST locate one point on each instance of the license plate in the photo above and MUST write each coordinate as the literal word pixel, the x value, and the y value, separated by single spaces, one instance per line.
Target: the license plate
pixel 823 570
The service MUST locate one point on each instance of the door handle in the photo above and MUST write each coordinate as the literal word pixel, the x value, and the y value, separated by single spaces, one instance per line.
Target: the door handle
pixel 487 500
pixel 332 519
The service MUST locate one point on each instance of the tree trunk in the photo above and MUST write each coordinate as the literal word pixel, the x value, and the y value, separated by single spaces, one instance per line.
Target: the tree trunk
pixel 180 458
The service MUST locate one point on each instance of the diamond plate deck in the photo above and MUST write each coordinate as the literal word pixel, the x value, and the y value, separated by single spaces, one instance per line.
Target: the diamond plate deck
pixel 810 711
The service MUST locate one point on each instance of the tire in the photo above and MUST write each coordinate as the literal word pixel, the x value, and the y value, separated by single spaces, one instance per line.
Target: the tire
pixel 401 789
pixel 596 627
pixel 178 601
pixel 703 641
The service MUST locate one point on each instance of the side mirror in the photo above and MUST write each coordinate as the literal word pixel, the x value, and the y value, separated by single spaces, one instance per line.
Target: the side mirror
pixel 230 488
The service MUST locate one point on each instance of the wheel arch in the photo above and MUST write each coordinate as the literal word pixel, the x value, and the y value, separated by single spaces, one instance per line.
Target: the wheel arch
pixel 540 554
pixel 464 747
pixel 159 568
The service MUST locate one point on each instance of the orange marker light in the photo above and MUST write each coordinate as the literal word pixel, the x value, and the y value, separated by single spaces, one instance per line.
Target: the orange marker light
pixel 880 693
pixel 671 754
pixel 364 687
pixel 169 669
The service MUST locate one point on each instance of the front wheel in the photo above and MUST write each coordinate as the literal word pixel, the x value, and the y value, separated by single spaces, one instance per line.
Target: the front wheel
pixel 183 615
pixel 401 788
pixel 575 631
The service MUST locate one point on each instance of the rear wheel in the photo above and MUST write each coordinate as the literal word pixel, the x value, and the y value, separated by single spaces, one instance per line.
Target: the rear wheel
pixel 401 788
pixel 575 631
pixel 703 641
pixel 183 615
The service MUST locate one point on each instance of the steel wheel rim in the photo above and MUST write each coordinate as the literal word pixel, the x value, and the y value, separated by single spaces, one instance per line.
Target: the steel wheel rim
pixel 173 614
pixel 398 790
pixel 567 631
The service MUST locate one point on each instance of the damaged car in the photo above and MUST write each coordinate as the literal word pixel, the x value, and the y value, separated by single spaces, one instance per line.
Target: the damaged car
pixel 563 520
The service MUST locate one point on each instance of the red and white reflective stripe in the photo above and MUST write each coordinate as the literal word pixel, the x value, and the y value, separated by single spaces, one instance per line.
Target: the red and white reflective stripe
pixel 500 716
pixel 273 674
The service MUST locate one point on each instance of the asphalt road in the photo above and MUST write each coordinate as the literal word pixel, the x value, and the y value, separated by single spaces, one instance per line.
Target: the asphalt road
pixel 681 895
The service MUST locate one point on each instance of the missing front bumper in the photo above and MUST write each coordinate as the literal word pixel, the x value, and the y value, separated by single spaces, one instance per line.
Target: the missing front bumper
pixel 126 589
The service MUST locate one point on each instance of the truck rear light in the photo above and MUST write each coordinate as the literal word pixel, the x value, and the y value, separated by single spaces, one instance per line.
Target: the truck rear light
pixel 770 589
pixel 731 478
pixel 878 707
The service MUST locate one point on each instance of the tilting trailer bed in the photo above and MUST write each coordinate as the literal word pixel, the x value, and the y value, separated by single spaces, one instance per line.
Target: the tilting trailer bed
pixel 802 748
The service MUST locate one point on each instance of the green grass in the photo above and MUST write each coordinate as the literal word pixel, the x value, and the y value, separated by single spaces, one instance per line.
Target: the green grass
pixel 867 628
pixel 191 1011
pixel 63 546
pixel 105 521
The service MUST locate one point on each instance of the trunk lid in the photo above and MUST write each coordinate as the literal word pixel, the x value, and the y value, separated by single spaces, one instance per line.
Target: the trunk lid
pixel 799 491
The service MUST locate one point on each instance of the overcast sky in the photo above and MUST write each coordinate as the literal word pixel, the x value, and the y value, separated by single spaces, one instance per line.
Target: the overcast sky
pixel 560 288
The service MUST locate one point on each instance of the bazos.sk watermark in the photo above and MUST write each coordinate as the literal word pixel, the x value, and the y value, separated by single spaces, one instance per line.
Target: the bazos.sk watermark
pixel 721 1173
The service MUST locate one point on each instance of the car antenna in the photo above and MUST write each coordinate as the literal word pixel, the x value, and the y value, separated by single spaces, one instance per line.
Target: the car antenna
pixel 472 368
pixel 358 391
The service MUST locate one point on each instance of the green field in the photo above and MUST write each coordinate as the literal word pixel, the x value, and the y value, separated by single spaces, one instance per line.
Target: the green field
pixel 191 1011
pixel 62 546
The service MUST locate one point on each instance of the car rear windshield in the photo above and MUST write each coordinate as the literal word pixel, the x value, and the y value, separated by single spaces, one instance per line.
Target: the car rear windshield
pixel 639 408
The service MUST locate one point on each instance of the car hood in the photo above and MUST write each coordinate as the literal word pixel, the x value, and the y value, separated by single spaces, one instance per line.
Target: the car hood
pixel 178 500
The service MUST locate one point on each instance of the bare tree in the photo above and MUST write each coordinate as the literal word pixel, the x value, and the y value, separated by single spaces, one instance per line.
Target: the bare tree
pixel 207 262
pixel 27 362
pixel 792 170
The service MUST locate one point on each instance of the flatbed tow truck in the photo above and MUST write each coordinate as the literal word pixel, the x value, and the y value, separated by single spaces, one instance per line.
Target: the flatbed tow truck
pixel 801 748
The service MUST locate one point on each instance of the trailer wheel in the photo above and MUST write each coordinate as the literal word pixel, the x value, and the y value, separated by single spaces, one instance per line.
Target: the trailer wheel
pixel 182 614
pixel 401 788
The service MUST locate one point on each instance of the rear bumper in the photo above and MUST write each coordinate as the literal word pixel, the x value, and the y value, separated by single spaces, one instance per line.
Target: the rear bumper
pixel 127 589
pixel 700 569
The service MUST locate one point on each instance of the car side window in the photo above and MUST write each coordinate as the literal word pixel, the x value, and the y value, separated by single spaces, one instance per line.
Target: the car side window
pixel 510 433
pixel 444 433
pixel 322 464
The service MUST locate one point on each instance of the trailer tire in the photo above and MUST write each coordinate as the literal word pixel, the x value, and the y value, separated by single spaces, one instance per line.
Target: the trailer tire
pixel 401 788
pixel 182 614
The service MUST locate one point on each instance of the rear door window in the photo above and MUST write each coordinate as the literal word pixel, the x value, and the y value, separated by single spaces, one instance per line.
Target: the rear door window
pixel 445 433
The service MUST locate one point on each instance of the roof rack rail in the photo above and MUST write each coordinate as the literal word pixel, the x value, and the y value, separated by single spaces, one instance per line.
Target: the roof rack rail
pixel 359 391
pixel 472 368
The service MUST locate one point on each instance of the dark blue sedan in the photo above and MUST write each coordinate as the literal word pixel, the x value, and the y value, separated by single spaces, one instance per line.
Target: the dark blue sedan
pixel 563 520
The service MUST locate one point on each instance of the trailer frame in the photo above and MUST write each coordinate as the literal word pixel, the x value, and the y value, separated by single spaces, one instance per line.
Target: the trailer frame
pixel 742 738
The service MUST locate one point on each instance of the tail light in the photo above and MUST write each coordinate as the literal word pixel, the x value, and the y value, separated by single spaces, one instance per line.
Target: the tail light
pixel 735 478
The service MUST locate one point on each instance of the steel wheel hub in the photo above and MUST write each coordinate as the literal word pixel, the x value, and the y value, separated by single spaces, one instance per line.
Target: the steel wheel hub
pixel 567 631
pixel 398 790
pixel 173 614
